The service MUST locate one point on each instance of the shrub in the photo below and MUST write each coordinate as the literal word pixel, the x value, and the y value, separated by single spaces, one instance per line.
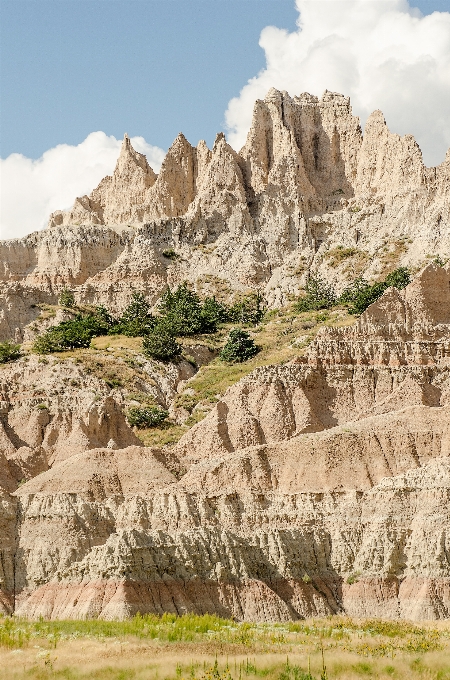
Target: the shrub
pixel 353 578
pixel 147 416
pixel 249 310
pixel 160 344
pixel 69 335
pixel 76 333
pixel 439 261
pixel 399 278
pixel 113 381
pixel 319 295
pixel 66 298
pixel 170 254
pixel 103 318
pixel 136 320
pixel 182 311
pixel 239 347
pixel 9 352
pixel 360 294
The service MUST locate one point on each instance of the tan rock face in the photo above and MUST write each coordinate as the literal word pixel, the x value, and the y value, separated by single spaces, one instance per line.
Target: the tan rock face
pixel 306 181
pixel 313 488
pixel 317 487
pixel 249 554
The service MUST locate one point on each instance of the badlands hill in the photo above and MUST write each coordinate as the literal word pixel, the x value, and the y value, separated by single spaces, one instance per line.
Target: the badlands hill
pixel 308 190
pixel 318 484
pixel 314 487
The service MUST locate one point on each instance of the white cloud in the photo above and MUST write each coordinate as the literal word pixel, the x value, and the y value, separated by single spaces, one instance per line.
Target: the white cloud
pixel 31 189
pixel 382 53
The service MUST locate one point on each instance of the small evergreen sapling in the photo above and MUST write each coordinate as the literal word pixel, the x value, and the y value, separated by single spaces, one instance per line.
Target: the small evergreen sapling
pixel 319 295
pixel 160 344
pixel 137 319
pixel 239 347
pixel 66 298
pixel 182 311
pixel 248 311
pixel 147 416
pixel 213 313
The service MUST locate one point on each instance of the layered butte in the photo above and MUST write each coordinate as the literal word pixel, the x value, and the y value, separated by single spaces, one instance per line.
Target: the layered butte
pixel 321 486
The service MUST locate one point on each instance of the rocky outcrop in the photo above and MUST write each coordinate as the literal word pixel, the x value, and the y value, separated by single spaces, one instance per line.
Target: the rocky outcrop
pixel 248 553
pixel 397 355
pixel 53 408
pixel 306 182
pixel 314 488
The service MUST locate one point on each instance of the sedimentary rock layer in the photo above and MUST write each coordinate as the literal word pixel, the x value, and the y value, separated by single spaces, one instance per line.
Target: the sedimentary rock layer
pixel 318 487
pixel 265 554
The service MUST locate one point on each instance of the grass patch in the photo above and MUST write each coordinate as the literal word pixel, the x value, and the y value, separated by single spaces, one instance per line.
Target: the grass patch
pixel 391 254
pixel 212 648
pixel 339 254
pixel 116 342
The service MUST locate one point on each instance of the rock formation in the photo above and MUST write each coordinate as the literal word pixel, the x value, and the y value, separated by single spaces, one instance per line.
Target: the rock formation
pixel 317 487
pixel 307 182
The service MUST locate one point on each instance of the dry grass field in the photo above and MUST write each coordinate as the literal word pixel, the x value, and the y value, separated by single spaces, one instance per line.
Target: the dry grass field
pixel 208 648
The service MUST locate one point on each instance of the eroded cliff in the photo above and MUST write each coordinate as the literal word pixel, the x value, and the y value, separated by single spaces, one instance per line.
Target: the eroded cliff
pixel 307 192
pixel 316 487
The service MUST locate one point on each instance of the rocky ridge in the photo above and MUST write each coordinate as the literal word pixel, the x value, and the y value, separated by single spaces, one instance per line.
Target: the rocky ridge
pixel 316 487
pixel 307 192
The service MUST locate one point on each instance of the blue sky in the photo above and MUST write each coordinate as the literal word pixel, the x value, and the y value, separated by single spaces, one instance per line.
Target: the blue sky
pixel 77 74
pixel 147 67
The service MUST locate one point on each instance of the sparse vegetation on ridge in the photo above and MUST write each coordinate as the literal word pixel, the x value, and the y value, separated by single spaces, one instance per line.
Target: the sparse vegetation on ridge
pixel 281 335
pixel 360 294
pixel 181 313
pixel 9 351
pixel 356 297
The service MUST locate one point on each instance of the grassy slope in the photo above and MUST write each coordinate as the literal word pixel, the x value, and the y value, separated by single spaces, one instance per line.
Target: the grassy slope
pixel 283 335
pixel 186 647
